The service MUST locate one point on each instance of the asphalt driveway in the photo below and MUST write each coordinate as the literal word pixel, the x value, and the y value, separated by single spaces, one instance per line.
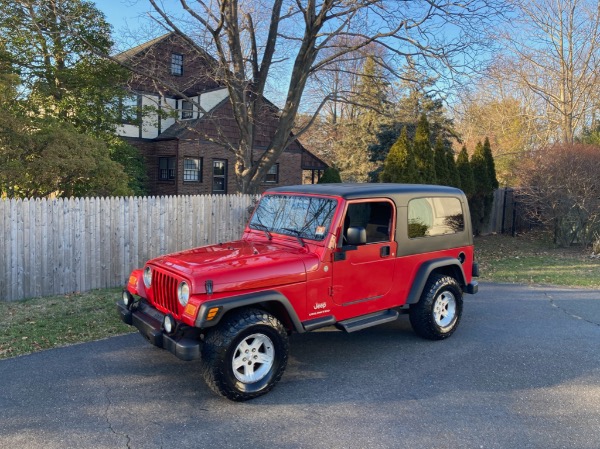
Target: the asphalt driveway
pixel 522 371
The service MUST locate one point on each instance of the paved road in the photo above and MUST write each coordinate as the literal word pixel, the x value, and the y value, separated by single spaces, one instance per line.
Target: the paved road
pixel 522 371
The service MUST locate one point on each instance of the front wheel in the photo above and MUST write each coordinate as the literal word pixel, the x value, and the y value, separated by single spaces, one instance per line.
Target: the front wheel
pixel 437 314
pixel 245 355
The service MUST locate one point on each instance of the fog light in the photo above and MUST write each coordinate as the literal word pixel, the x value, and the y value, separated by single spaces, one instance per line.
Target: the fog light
pixel 169 324
pixel 127 299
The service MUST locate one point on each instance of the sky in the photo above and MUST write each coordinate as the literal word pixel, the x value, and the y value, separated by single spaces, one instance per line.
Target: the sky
pixel 123 14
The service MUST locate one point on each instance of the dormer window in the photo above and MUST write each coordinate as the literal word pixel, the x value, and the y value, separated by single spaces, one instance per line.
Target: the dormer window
pixel 176 64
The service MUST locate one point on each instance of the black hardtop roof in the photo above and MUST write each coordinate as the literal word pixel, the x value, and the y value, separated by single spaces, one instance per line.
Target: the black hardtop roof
pixel 355 191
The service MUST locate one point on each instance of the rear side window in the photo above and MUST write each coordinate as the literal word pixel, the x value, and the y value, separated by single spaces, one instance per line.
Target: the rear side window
pixel 428 217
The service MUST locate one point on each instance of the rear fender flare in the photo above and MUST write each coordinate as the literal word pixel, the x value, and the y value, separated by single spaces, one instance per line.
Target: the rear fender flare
pixel 429 267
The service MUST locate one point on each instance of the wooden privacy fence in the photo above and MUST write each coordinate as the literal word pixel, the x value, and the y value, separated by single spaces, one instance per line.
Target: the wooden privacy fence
pixel 508 214
pixel 51 247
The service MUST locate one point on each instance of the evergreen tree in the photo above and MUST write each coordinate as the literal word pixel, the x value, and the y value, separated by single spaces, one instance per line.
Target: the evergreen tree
pixel 465 172
pixel 330 175
pixel 453 176
pixel 399 165
pixel 489 159
pixel 355 131
pixel 482 198
pixel 386 136
pixel 442 170
pixel 424 157
pixel 480 170
pixel 416 100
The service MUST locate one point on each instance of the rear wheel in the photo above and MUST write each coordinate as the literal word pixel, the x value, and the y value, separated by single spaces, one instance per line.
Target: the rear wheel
pixel 245 355
pixel 437 314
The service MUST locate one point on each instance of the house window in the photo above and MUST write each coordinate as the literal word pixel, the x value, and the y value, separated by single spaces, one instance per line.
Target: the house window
pixel 187 110
pixel 176 64
pixel 272 175
pixel 166 168
pixel 128 110
pixel 219 176
pixel 192 170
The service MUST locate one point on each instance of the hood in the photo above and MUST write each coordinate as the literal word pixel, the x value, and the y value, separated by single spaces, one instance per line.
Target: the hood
pixel 239 265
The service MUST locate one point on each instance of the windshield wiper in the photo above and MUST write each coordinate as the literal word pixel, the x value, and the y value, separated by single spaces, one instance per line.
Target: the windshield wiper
pixel 296 234
pixel 264 228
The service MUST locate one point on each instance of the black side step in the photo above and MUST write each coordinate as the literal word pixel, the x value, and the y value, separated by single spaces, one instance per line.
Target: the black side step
pixel 319 322
pixel 362 322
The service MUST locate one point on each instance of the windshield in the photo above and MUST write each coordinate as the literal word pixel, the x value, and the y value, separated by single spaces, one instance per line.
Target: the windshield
pixel 300 216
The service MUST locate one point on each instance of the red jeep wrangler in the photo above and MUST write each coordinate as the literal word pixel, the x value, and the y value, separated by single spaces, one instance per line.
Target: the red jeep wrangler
pixel 345 255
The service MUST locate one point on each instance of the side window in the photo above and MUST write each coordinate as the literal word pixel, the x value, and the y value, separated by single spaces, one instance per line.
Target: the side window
pixel 428 217
pixel 166 168
pixel 375 217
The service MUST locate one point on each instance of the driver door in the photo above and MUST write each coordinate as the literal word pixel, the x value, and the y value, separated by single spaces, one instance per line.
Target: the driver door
pixel 363 273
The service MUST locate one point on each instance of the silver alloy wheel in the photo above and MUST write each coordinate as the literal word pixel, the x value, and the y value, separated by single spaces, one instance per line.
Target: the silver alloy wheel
pixel 253 358
pixel 444 309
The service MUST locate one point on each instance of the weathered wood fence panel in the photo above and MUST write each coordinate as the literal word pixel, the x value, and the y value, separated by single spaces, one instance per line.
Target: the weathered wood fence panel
pixel 51 247
pixel 508 215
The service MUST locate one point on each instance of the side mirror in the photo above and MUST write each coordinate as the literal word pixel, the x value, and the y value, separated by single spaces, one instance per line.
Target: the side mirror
pixel 356 235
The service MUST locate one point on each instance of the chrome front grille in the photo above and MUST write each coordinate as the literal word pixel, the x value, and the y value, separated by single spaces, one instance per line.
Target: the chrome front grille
pixel 164 288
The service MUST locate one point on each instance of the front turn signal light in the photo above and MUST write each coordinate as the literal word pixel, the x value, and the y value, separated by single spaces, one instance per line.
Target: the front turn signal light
pixel 212 313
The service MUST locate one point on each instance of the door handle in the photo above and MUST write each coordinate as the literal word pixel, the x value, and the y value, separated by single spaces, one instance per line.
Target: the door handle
pixel 384 251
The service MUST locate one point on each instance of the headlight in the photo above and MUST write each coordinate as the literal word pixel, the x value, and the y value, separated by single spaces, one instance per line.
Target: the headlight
pixel 183 293
pixel 147 277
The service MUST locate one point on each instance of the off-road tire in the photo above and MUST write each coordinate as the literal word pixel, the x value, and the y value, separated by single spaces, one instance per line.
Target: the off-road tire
pixel 437 314
pixel 237 331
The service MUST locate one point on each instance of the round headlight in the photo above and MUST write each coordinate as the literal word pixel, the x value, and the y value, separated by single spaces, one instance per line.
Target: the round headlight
pixel 148 277
pixel 183 293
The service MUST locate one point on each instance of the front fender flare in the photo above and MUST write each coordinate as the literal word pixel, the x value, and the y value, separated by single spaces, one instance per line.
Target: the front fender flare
pixel 249 299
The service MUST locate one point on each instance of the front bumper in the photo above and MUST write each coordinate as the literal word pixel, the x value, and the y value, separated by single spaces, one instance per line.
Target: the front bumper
pixel 148 320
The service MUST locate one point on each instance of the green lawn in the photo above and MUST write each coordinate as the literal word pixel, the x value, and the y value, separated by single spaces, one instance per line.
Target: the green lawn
pixel 532 259
pixel 42 323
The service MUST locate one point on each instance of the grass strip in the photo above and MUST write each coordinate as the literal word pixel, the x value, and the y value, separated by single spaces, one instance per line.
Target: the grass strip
pixel 532 259
pixel 42 323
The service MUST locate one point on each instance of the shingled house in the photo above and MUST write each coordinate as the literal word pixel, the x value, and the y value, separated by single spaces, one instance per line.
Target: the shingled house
pixel 182 143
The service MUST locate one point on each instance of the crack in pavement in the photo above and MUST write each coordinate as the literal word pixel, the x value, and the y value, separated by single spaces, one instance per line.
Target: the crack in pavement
pixel 566 312
pixel 107 391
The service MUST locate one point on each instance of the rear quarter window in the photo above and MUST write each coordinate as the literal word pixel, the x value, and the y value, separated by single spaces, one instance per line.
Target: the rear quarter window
pixel 434 216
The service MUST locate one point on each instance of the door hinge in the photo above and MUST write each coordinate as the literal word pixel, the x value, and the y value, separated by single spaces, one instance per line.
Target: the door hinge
pixel 331 291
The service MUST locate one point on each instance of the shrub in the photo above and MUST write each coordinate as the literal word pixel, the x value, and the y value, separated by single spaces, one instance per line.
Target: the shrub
pixel 561 189
pixel 331 175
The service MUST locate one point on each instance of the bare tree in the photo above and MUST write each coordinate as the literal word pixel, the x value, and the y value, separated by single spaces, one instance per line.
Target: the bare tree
pixel 554 53
pixel 250 39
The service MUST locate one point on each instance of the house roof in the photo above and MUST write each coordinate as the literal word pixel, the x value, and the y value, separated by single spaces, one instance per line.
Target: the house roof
pixel 127 54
